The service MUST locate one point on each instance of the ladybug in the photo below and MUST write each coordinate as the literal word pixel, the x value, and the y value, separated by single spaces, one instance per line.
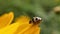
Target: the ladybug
pixel 35 20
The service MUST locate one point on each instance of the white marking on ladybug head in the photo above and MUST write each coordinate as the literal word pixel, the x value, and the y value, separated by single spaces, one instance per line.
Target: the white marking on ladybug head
pixel 37 18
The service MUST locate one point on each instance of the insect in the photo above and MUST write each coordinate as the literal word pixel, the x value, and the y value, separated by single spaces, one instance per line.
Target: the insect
pixel 35 20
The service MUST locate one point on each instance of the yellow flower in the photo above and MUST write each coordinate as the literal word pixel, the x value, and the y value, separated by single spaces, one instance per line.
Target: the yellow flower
pixel 20 26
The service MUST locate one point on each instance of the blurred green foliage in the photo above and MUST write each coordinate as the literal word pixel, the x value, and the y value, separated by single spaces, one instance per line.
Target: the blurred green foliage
pixel 40 8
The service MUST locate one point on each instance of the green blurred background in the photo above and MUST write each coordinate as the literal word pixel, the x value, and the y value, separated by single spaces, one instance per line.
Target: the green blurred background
pixel 48 10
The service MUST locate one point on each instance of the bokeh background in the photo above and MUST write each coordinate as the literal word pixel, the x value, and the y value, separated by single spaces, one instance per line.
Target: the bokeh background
pixel 48 10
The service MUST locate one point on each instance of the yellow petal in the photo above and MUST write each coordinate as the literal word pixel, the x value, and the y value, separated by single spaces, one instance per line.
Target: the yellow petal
pixel 22 19
pixel 37 31
pixel 30 30
pixel 6 19
pixel 22 28
pixel 17 28
pixel 10 29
